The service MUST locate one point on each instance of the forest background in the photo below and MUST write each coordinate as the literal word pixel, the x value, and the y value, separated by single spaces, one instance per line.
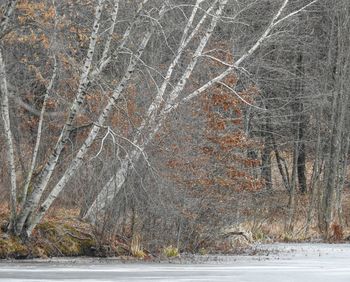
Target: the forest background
pixel 154 123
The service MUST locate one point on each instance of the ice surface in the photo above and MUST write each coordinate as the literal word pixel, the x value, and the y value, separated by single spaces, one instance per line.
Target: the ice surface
pixel 276 262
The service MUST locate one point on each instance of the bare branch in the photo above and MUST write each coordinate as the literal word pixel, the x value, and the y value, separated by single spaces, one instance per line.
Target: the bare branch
pixel 258 43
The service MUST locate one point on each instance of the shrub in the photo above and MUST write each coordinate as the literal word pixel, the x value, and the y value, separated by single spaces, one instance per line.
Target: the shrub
pixel 171 252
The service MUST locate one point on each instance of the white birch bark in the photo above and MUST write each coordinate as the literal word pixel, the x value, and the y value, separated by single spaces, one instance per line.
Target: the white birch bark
pixel 185 40
pixel 111 30
pixel 187 73
pixel 32 219
pixel 77 161
pixel 8 11
pixel 105 60
pixel 114 185
pixel 85 80
pixel 111 188
pixel 275 21
pixel 45 176
pixel 9 140
pixel 38 136
pixel 40 125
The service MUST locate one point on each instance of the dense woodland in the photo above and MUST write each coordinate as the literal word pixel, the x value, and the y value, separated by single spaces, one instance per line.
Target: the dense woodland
pixel 167 122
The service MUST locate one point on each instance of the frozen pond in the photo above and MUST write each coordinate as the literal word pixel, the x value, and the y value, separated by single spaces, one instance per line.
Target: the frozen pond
pixel 280 262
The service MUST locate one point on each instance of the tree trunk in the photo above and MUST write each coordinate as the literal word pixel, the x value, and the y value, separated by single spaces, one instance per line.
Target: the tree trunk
pixel 302 155
pixel 292 195
pixel 282 166
pixel 39 187
pixel 339 121
pixel 5 113
pixel 302 124
pixel 29 220
pixel 266 173
pixel 155 122
pixel 115 183
pixel 314 190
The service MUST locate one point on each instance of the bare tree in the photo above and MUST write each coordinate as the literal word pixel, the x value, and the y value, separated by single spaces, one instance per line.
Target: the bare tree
pixel 113 186
pixel 170 64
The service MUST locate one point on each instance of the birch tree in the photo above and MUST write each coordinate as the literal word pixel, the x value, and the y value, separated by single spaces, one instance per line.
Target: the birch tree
pixel 27 214
pixel 9 141
pixel 5 113
pixel 89 73
pixel 174 99
pixel 175 81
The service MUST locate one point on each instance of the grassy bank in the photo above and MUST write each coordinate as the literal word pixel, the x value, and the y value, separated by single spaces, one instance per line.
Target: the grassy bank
pixel 63 234
pixel 60 234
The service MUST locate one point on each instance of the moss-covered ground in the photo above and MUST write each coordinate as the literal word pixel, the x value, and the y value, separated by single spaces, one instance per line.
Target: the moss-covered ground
pixel 61 234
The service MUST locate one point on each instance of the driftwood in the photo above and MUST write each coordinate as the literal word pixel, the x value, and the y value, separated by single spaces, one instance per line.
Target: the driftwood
pixel 236 233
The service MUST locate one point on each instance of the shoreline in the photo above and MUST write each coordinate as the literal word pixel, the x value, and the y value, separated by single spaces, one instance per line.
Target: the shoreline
pixel 257 252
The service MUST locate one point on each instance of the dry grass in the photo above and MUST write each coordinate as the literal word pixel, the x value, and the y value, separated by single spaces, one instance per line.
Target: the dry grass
pixel 267 220
pixel 136 247
pixel 265 214
pixel 171 252
pixel 60 234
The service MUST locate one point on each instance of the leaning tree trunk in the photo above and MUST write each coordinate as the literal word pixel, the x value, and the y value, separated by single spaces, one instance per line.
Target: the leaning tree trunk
pixel 39 187
pixel 32 219
pixel 154 123
pixel 77 161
